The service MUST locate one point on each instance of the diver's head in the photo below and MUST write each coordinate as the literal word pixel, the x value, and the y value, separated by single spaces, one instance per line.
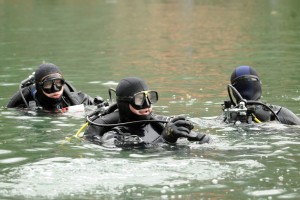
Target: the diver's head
pixel 247 82
pixel 134 99
pixel 49 83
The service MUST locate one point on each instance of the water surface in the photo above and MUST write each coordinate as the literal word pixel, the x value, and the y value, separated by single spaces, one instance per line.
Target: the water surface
pixel 186 50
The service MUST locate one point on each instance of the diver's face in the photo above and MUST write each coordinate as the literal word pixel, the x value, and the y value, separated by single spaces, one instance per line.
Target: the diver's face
pixel 55 95
pixel 52 85
pixel 144 111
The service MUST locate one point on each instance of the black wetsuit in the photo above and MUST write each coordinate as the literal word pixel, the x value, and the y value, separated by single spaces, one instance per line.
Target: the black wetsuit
pixel 69 97
pixel 136 135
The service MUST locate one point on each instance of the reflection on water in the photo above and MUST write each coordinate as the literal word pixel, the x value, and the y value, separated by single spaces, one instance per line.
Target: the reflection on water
pixel 186 50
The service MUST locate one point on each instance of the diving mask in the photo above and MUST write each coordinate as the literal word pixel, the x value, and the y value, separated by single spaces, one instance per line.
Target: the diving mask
pixel 141 99
pixel 52 84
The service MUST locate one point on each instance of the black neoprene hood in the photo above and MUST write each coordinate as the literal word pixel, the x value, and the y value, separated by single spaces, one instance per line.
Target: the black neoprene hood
pixel 127 87
pixel 246 80
pixel 45 69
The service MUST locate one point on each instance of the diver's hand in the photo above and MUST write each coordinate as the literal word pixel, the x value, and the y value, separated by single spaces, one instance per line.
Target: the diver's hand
pixel 200 137
pixel 177 127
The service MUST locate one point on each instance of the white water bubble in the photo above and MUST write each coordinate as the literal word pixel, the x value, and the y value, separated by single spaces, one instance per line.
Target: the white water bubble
pixel 12 160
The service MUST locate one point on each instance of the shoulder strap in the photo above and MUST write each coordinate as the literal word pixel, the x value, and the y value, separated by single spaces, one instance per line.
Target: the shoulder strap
pixel 17 100
pixel 71 94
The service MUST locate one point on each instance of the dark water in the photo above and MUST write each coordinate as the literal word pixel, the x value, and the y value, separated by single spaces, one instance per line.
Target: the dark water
pixel 186 50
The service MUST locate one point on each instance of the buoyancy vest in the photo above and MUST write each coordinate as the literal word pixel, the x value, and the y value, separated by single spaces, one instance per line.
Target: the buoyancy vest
pixel 137 136
pixel 94 132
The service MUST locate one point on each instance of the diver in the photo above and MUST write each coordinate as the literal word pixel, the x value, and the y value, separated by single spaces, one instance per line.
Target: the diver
pixel 134 125
pixel 245 105
pixel 47 89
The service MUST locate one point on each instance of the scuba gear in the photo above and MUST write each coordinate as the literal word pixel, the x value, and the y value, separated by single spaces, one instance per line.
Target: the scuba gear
pixel 244 94
pixel 237 113
pixel 239 109
pixel 150 134
pixel 138 100
pixel 234 96
pixel 100 109
pixel 128 141
pixel 127 138
pixel 247 82
pixel 26 82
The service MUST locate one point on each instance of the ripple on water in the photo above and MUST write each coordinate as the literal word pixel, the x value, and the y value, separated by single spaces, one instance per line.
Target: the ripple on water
pixel 111 176
pixel 23 127
pixel 4 151
pixel 12 160
pixel 270 192
pixel 112 83
pixel 37 149
pixel 8 84
pixel 29 118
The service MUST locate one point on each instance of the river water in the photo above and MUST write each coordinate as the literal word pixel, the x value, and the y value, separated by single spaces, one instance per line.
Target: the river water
pixel 186 50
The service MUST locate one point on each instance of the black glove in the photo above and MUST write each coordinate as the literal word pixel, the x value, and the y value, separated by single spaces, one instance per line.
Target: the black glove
pixel 177 127
pixel 200 137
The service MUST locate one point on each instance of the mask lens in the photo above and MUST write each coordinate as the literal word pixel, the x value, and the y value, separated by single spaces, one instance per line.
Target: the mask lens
pixel 47 84
pixel 58 82
pixel 139 98
pixel 152 96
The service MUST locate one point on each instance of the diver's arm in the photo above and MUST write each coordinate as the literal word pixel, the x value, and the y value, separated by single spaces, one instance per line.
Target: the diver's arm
pixel 288 117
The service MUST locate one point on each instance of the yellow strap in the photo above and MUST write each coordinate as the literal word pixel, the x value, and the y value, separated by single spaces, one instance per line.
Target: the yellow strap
pixel 255 119
pixel 78 132
pixel 81 129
